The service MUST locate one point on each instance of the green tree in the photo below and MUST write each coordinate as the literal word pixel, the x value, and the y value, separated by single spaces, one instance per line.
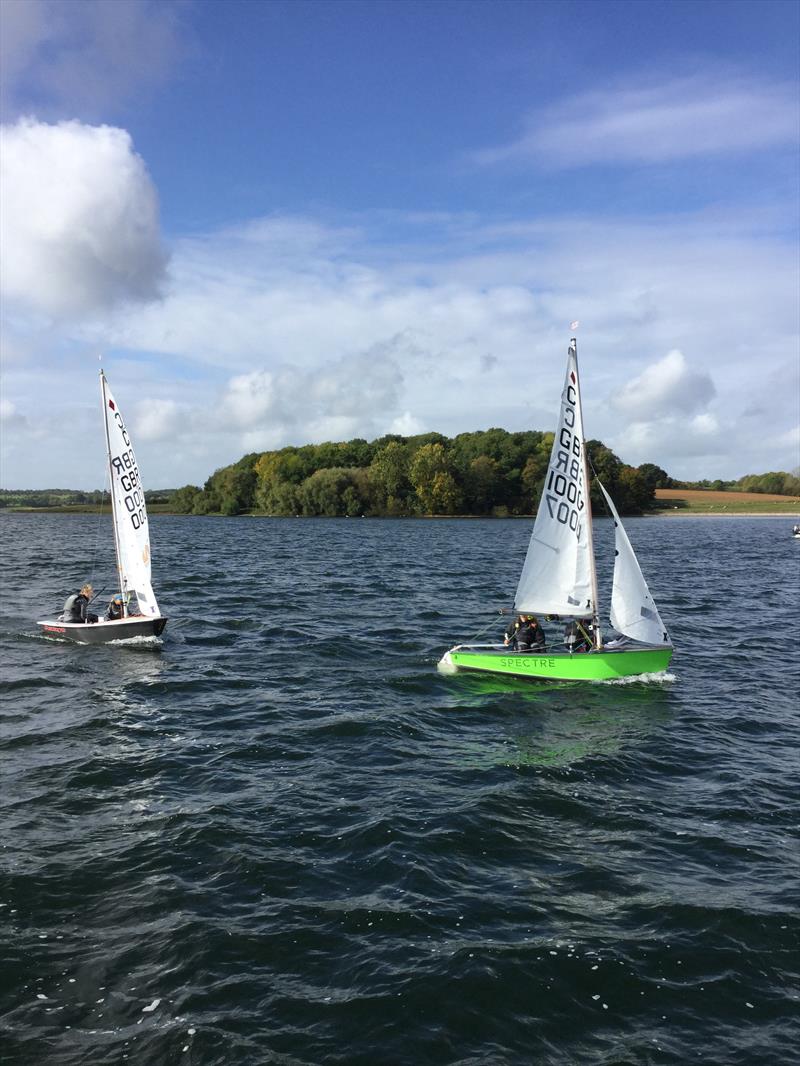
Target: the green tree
pixel 655 477
pixel 388 475
pixel 182 500
pixel 632 494
pixel 484 481
pixel 432 477
pixel 445 494
pixel 334 491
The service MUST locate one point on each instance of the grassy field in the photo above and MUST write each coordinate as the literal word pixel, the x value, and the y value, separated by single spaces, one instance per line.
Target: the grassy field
pixel 704 501
pixel 83 508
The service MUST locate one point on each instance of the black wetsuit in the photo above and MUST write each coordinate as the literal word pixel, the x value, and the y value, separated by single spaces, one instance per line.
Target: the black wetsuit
pixel 577 636
pixel 530 637
pixel 525 635
pixel 75 608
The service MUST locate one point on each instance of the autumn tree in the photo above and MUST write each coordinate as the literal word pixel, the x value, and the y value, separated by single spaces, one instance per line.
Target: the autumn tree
pixel 432 477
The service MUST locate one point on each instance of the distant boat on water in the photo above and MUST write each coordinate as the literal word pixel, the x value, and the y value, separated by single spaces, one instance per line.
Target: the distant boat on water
pixel 139 612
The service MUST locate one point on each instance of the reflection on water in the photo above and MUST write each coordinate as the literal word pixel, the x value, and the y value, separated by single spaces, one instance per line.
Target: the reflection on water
pixel 567 722
pixel 566 738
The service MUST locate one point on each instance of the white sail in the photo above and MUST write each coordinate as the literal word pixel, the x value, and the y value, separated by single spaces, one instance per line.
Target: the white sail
pixel 557 575
pixel 633 610
pixel 131 531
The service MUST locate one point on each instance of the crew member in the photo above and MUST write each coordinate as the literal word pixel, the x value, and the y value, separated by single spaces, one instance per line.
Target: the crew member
pixel 578 635
pixel 76 606
pixel 115 609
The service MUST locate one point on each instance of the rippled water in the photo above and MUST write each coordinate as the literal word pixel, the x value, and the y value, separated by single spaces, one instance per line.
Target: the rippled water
pixel 281 836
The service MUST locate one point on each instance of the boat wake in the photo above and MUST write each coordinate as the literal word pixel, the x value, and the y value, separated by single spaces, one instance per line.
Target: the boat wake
pixel 122 642
pixel 658 678
pixel 138 641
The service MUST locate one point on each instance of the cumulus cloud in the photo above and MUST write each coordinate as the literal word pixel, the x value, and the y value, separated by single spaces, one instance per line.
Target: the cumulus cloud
pixel 78 219
pixel 700 439
pixel 406 425
pixel 264 340
pixel 9 416
pixel 677 119
pixel 84 56
pixel 330 402
pixel 665 388
pixel 156 419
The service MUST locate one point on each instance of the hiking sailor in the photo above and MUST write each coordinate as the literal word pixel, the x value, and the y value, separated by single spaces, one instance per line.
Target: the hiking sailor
pixel 76 606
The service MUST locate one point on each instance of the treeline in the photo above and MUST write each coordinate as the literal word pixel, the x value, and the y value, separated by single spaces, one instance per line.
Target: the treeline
pixel 774 483
pixel 40 498
pixel 491 472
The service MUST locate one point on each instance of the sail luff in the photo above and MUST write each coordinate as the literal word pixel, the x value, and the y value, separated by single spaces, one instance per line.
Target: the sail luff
pixel 120 572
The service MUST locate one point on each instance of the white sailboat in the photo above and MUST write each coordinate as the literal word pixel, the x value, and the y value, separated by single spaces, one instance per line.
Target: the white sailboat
pixel 559 578
pixel 140 616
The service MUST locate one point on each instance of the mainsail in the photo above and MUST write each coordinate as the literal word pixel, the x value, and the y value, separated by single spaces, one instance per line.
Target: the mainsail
pixel 633 610
pixel 131 532
pixel 557 575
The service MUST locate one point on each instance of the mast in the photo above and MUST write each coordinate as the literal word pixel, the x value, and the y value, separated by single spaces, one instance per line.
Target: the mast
pixel 589 531
pixel 111 491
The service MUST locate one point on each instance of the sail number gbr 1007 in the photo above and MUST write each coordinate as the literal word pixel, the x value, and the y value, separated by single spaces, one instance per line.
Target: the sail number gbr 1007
pixel 563 494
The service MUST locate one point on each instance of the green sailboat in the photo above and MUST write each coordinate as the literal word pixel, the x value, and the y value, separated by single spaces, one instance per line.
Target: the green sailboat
pixel 559 577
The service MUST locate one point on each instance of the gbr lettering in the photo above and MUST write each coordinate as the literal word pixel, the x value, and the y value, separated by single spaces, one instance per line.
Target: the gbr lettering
pixel 126 470
pixel 562 494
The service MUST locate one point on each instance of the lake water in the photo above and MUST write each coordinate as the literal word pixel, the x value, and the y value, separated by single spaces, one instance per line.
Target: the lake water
pixel 282 837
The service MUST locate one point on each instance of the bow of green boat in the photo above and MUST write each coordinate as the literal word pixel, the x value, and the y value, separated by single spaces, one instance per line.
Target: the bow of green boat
pixel 605 664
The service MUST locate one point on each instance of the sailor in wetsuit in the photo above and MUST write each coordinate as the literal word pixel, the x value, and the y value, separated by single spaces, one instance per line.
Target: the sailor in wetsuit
pixel 76 606
pixel 578 635
pixel 115 609
pixel 525 634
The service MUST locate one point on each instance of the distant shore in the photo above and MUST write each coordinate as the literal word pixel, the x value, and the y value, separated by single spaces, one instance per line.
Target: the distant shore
pixel 674 512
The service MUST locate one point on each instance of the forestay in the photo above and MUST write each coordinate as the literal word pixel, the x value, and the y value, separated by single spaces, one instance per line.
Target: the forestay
pixel 557 575
pixel 633 610
pixel 130 514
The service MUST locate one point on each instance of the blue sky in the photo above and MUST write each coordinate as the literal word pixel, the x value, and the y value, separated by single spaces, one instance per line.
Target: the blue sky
pixel 291 222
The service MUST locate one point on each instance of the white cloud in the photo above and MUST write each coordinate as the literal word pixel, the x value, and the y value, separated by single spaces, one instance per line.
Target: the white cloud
pixel 83 57
pixel 655 123
pixel 665 388
pixel 262 341
pixel 156 419
pixel 9 416
pixel 696 437
pixel 78 219
pixel 406 425
pixel 351 396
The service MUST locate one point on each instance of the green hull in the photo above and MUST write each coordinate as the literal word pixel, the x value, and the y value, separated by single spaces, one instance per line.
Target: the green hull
pixel 561 666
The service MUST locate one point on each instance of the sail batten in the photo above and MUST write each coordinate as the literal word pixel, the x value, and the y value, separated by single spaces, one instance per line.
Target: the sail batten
pixel 131 528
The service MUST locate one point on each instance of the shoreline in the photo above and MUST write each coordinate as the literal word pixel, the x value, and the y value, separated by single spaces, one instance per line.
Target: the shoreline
pixel 793 516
